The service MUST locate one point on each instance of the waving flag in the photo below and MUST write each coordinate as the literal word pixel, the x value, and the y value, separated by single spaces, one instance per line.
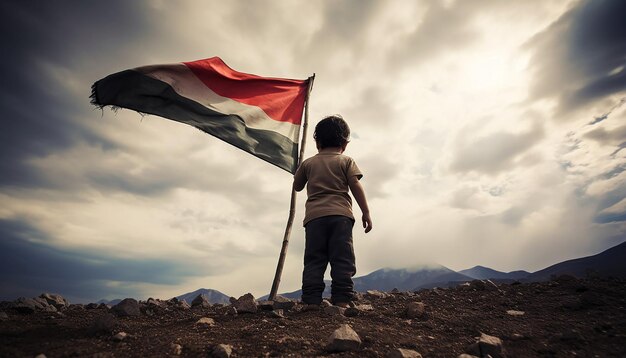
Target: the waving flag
pixel 257 114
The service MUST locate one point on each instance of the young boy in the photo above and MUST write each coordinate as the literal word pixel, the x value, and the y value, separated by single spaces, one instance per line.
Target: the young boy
pixel 328 219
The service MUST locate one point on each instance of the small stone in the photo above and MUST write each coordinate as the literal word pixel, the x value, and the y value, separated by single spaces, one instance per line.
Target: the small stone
pixel 200 301
pixel 403 353
pixel 206 321
pixel 120 336
pixel 245 304
pixel 222 351
pixel 26 305
pixel 55 300
pixel 334 310
pixel 352 312
pixel 230 311
pixel 103 324
pixel 415 310
pixel 375 294
pixel 265 305
pixel 183 305
pixel 343 339
pixel 4 316
pixel 284 303
pixel 490 345
pixel 517 337
pixel 465 355
pixel 92 306
pixel 325 303
pixel 515 313
pixel 365 308
pixel 277 314
pixel 176 349
pixel 41 355
pixel 127 307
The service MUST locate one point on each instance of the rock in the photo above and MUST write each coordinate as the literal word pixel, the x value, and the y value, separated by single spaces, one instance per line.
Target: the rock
pixel 515 313
pixel 231 311
pixel 334 310
pixel 490 345
pixel 92 306
pixel 183 305
pixel 176 349
pixel 200 301
pixel 465 355
pixel 120 336
pixel 151 302
pixel 245 304
pixel 325 303
pixel 365 308
pixel 375 294
pixel 477 285
pixel 277 314
pixel 4 316
pixel 415 310
pixel 206 321
pixel 103 324
pixel 465 286
pixel 222 351
pixel 352 312
pixel 343 339
pixel 127 307
pixel 26 305
pixel 55 300
pixel 41 355
pixel 283 303
pixel 265 305
pixel 403 353
pixel 473 350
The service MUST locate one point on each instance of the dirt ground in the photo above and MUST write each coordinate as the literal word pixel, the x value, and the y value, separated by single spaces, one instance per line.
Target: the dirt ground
pixel 561 318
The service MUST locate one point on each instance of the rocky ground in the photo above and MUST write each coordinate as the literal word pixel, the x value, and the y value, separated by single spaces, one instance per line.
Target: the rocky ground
pixel 565 317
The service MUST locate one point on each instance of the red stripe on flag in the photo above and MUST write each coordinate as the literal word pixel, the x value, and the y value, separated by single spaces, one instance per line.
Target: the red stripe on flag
pixel 282 99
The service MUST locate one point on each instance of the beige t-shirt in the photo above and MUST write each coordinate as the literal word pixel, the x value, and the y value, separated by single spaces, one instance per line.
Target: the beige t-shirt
pixel 326 175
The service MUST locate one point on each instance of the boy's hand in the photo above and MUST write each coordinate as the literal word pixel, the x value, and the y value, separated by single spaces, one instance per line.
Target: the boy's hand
pixel 367 223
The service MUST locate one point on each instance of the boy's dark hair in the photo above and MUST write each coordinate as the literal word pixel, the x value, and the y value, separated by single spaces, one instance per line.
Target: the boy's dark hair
pixel 332 131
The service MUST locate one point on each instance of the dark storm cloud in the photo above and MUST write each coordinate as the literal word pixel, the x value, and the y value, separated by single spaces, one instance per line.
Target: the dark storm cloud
pixel 581 56
pixel 30 266
pixel 35 114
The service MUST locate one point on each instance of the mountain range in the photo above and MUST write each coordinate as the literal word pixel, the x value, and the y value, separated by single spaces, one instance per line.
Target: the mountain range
pixel 611 262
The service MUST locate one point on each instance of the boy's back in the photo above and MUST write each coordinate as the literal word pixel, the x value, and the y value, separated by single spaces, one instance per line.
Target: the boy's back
pixel 326 175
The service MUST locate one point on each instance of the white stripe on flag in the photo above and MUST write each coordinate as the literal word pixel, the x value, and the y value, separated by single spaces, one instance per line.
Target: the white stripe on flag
pixel 186 84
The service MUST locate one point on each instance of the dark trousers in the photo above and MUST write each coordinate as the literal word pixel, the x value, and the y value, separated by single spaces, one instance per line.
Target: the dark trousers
pixel 328 240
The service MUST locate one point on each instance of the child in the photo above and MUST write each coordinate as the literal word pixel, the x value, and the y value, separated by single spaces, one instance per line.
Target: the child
pixel 328 219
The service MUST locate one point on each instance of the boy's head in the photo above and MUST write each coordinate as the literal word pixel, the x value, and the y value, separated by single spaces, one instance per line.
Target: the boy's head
pixel 332 132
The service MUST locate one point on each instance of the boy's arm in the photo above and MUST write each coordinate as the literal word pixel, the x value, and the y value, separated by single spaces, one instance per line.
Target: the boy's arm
pixel 299 179
pixel 359 195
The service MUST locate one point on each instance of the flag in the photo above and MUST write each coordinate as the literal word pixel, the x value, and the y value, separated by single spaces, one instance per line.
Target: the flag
pixel 259 115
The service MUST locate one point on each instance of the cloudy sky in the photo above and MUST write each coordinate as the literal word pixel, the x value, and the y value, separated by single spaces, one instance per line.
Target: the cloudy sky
pixel 489 132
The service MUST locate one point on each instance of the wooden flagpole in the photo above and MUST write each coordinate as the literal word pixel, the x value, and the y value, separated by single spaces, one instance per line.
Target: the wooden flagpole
pixel 292 207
